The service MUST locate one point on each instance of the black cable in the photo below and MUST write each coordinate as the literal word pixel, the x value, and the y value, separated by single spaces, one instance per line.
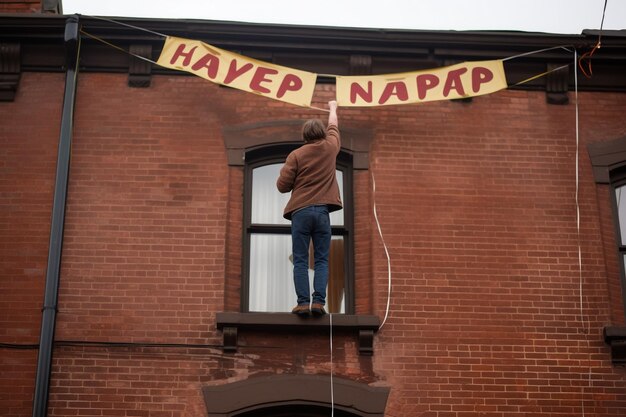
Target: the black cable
pixel 602 22
pixel 126 24
pixel 18 346
pixel 134 344
pixel 26 346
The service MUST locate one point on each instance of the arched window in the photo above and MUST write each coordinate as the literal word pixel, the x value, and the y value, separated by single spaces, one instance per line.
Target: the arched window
pixel 267 268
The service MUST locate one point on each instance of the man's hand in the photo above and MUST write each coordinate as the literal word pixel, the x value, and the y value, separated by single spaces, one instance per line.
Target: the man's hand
pixel 332 117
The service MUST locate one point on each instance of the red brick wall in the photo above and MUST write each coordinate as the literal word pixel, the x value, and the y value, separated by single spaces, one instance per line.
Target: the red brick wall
pixel 24 6
pixel 144 251
pixel 29 134
pixel 476 204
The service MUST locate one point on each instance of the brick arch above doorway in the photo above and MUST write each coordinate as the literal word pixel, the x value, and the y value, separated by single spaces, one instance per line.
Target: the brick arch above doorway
pixel 283 392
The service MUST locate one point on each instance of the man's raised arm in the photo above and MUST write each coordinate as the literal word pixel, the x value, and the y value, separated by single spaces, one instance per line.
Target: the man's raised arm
pixel 332 117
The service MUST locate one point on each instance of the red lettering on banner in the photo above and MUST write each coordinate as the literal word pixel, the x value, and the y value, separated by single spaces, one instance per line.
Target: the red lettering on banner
pixel 259 77
pixel 234 72
pixel 357 90
pixel 425 82
pixel 290 83
pixel 210 62
pixel 453 80
pixel 396 89
pixel 180 51
pixel 480 75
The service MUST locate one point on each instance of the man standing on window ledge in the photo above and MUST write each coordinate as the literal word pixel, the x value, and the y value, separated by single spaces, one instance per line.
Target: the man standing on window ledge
pixel 309 173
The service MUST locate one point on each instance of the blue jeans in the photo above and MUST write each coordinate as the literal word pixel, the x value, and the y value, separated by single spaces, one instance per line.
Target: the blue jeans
pixel 310 223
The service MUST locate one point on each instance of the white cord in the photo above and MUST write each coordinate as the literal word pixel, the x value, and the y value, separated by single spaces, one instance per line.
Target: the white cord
pixel 380 233
pixel 584 325
pixel 332 388
pixel 580 265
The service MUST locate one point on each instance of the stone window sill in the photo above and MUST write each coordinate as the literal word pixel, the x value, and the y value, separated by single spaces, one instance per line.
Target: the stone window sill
pixel 231 322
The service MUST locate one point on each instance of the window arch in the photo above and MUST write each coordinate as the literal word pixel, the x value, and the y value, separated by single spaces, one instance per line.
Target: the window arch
pixel 267 283
pixel 296 410
pixel 294 396
pixel 618 196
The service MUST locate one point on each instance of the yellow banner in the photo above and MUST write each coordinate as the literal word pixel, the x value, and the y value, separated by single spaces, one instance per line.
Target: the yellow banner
pixel 237 71
pixel 467 79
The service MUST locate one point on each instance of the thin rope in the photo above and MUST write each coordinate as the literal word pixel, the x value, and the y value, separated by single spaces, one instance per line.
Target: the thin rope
pixel 127 25
pixel 584 324
pixel 380 233
pixel 332 387
pixel 323 75
pixel 155 63
pixel 577 186
pixel 318 108
pixel 536 52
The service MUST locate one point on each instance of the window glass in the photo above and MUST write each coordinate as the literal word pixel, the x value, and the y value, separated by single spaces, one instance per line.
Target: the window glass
pixel 267 202
pixel 271 282
pixel 620 197
pixel 336 217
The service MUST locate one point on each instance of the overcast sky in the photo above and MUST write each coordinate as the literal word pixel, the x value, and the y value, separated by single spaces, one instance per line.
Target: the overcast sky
pixel 552 16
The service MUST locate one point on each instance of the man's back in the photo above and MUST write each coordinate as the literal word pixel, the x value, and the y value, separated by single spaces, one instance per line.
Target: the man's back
pixel 309 173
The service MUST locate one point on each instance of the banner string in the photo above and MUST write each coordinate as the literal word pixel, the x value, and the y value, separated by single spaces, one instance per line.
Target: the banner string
pixel 565 47
pixel 334 75
pixel 319 108
pixel 534 77
pixel 537 52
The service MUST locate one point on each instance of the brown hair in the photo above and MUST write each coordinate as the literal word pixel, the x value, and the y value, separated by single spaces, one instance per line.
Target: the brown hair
pixel 313 130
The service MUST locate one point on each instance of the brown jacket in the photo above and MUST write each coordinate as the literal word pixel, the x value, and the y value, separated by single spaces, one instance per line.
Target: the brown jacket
pixel 309 172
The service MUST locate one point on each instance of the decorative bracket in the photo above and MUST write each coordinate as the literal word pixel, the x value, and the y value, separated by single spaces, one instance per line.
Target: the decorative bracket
pixel 10 70
pixel 230 339
pixel 615 337
pixel 360 64
pixel 366 342
pixel 140 71
pixel 557 84
pixel 52 6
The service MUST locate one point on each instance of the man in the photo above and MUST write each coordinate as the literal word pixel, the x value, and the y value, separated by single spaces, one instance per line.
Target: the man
pixel 309 173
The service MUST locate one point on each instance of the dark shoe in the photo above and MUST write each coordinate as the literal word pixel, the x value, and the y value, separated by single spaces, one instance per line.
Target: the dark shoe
pixel 317 309
pixel 301 310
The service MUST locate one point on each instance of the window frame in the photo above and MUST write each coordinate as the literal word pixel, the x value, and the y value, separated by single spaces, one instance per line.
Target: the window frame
pixel 277 153
pixel 618 180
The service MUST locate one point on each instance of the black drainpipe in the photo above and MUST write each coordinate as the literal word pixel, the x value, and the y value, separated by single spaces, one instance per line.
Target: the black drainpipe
pixel 49 310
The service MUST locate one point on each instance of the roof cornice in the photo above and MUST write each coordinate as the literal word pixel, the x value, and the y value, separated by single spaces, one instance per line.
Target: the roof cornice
pixel 328 50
